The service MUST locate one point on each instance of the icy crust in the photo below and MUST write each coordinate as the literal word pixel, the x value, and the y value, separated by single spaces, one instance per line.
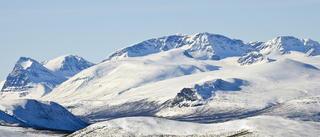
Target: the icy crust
pixel 149 126
pixel 42 114
pixel 202 46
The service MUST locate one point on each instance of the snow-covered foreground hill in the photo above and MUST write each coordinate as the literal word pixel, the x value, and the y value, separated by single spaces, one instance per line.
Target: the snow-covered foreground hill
pixel 148 126
pixel 39 114
pixel 6 131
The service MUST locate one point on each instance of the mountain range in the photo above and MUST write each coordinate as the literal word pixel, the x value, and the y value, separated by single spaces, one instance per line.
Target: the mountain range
pixel 203 78
pixel 31 79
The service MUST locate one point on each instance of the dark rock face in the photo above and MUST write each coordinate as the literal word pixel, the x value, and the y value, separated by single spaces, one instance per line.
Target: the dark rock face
pixel 22 75
pixel 19 78
pixel 251 57
pixel 75 63
pixel 187 54
pixel 200 93
pixel 186 94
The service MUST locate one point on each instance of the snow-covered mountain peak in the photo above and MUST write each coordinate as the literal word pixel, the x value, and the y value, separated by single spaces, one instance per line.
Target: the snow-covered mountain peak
pixel 181 34
pixel 201 46
pixel 310 42
pixel 215 47
pixel 28 70
pixel 25 63
pixel 255 44
pixel 286 44
pixel 30 79
pixel 285 41
pixel 68 65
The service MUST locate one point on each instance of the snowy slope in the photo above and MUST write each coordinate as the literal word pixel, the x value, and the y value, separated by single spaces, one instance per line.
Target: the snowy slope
pixel 148 126
pixel 305 109
pixel 38 114
pixel 13 132
pixel 1 84
pixel 134 89
pixel 120 76
pixel 257 88
pixel 6 131
pixel 136 81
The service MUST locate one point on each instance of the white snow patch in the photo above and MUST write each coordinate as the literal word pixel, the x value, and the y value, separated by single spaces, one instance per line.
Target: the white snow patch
pixel 26 64
pixel 1 84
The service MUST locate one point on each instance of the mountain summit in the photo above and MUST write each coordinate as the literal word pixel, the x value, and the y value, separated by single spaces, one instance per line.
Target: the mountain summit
pixel 67 65
pixel 32 79
pixel 286 44
pixel 201 46
pixel 28 72
pixel 207 46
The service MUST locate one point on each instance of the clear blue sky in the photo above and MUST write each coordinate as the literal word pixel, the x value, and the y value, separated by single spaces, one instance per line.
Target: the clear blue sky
pixel 46 29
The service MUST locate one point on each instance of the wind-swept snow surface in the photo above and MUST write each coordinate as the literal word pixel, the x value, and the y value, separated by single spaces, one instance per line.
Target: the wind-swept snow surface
pixel 148 126
pixel 6 131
